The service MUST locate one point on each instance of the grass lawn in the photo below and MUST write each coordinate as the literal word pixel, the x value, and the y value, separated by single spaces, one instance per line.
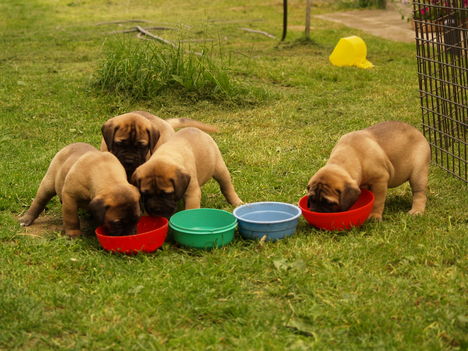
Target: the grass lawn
pixel 396 285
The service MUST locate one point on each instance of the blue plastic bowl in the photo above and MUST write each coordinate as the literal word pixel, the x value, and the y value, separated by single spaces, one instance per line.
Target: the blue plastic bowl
pixel 275 220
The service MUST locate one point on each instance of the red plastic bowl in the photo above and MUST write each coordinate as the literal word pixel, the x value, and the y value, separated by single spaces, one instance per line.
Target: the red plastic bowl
pixel 151 233
pixel 354 217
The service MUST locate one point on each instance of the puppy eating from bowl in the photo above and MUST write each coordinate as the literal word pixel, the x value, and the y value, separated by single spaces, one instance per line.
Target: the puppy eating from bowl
pixel 84 177
pixel 178 169
pixel 379 157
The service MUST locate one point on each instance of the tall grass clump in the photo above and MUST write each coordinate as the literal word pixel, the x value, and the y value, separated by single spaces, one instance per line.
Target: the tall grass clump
pixel 380 4
pixel 145 69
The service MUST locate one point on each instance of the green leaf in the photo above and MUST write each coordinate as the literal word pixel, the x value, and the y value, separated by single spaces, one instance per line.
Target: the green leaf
pixel 301 326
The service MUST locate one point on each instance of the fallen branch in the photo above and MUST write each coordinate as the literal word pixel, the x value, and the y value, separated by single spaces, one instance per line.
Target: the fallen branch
pixel 259 32
pixel 162 28
pixel 151 35
pixel 124 31
pixel 124 21
pixel 134 29
pixel 162 40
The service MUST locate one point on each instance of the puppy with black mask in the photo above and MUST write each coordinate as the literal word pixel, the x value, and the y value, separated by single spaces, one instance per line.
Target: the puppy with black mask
pixel 178 169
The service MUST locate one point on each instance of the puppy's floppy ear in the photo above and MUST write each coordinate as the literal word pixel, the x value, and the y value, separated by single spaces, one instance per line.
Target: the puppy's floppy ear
pixel 98 209
pixel 310 193
pixel 311 188
pixel 180 184
pixel 135 179
pixel 108 131
pixel 153 137
pixel 348 196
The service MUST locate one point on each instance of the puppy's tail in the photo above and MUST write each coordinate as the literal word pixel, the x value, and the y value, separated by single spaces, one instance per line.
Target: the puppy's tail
pixel 187 122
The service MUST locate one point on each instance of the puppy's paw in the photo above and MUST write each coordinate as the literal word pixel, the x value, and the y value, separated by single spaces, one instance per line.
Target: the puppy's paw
pixel 236 202
pixel 375 217
pixel 73 233
pixel 416 212
pixel 25 221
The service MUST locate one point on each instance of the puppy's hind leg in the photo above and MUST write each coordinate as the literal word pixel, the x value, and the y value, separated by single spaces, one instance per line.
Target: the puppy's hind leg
pixel 44 193
pixel 418 182
pixel 223 177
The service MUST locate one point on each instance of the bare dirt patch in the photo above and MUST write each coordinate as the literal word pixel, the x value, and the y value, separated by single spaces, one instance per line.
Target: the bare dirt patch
pixel 390 24
pixel 42 225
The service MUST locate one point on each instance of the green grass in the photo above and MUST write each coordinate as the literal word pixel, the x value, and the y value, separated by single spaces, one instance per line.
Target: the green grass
pixel 396 285
pixel 380 4
pixel 140 71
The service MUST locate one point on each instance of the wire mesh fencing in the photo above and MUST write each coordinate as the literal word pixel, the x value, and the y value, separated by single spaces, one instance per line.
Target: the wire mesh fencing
pixel 441 29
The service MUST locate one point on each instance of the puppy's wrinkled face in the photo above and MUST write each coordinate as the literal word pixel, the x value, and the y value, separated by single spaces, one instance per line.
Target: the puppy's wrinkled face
pixel 130 139
pixel 161 190
pixel 121 220
pixel 323 198
pixel 117 213
pixel 329 192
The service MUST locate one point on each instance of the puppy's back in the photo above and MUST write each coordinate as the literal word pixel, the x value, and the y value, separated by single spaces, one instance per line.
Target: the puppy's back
pixel 399 138
pixel 405 147
pixel 192 148
pixel 101 165
pixel 192 138
pixel 64 160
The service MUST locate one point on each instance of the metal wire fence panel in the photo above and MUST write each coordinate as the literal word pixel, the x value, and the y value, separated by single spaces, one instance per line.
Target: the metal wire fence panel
pixel 441 28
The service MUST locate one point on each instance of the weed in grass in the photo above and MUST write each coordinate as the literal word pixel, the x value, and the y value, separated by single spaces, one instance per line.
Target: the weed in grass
pixel 143 70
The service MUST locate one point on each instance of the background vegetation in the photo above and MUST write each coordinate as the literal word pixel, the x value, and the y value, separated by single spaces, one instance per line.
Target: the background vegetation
pixel 140 71
pixel 381 4
pixel 396 285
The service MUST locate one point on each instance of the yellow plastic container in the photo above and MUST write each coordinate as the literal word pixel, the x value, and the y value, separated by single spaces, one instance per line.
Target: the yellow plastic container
pixel 350 51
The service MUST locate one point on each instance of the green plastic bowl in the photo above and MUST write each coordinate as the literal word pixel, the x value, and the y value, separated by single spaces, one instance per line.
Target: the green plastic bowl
pixel 203 228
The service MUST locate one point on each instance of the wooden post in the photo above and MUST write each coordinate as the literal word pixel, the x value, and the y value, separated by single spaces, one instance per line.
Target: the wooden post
pixel 307 19
pixel 285 19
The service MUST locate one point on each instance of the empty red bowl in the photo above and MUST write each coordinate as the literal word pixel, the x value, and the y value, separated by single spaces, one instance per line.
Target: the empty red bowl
pixel 151 233
pixel 354 217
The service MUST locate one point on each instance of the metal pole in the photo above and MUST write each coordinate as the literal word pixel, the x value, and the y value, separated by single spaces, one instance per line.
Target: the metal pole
pixel 307 19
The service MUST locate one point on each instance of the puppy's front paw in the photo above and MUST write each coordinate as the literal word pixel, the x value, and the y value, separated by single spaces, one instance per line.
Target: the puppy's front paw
pixel 25 221
pixel 73 233
pixel 416 212
pixel 239 203
pixel 235 201
pixel 375 217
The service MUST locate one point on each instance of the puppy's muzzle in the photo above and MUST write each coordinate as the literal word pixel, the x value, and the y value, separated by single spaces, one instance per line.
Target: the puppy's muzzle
pixel 158 207
pixel 125 227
